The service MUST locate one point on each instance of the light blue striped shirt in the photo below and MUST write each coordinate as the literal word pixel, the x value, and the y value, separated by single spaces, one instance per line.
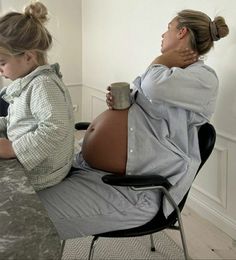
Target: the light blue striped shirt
pixel 163 122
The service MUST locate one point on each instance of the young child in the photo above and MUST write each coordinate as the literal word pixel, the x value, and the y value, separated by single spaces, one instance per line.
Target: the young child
pixel 39 127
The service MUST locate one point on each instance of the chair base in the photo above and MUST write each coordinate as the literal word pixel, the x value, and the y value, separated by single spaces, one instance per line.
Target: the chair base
pixel 152 248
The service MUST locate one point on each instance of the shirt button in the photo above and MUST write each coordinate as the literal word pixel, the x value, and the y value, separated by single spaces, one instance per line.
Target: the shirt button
pixel 131 150
pixel 150 100
pixel 128 173
pixel 131 129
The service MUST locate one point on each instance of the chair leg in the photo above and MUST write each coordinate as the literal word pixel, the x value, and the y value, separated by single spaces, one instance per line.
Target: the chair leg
pixel 92 247
pixel 62 246
pixel 153 248
pixel 181 229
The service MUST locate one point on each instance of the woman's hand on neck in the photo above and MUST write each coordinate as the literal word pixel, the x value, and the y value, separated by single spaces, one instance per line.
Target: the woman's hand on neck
pixel 179 57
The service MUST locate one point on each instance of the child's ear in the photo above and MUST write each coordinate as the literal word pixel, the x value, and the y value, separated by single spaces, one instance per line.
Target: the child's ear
pixel 30 56
pixel 182 33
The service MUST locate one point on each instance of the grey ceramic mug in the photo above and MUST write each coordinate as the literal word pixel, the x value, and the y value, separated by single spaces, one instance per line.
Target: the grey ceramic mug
pixel 121 95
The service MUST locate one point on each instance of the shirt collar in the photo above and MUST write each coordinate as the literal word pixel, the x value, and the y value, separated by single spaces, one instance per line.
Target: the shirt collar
pixel 16 87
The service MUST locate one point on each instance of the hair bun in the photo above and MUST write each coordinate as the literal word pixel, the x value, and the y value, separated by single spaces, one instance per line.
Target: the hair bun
pixel 221 26
pixel 37 10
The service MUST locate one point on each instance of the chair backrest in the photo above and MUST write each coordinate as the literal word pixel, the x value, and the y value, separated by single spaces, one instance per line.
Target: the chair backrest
pixel 206 139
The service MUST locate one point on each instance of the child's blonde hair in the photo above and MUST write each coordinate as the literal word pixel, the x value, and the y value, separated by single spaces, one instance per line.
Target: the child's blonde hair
pixel 20 32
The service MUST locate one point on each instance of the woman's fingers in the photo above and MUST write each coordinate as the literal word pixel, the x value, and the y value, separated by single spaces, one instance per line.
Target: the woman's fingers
pixel 188 56
pixel 109 100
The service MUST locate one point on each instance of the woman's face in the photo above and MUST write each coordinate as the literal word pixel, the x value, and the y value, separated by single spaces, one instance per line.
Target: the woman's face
pixel 170 38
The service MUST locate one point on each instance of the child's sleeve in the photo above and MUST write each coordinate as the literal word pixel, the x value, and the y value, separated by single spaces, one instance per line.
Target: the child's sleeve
pixel 52 110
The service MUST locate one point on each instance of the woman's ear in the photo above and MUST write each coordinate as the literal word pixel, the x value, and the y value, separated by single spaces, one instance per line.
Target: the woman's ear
pixel 182 33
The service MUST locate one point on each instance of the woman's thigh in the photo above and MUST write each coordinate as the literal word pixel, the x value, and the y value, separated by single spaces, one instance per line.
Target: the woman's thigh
pixel 83 205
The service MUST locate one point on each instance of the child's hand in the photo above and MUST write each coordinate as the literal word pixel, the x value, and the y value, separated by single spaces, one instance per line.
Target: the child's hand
pixel 177 58
pixel 6 150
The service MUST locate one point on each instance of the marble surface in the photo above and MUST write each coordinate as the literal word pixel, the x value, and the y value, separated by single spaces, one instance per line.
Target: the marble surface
pixel 26 232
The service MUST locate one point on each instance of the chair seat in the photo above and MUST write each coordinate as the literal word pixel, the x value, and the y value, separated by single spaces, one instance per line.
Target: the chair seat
pixel 158 223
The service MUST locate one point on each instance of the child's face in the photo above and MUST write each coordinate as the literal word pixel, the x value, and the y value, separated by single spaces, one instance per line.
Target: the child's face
pixel 13 67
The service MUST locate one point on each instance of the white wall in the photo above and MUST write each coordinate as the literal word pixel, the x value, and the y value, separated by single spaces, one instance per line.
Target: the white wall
pixel 121 37
pixel 65 27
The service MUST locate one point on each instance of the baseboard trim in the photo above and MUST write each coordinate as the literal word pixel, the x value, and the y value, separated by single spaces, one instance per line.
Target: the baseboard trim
pixel 74 85
pixel 220 220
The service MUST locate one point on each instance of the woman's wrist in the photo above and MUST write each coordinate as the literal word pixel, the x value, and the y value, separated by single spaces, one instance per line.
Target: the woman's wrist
pixel 176 58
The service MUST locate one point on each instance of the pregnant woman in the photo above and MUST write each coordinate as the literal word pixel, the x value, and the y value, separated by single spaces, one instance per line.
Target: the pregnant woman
pixel 158 134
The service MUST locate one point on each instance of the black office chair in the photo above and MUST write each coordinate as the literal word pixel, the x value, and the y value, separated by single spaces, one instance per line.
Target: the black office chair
pixel 3 107
pixel 207 137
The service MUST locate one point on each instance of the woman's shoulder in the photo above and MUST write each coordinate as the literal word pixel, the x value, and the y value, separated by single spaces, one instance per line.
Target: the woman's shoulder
pixel 202 67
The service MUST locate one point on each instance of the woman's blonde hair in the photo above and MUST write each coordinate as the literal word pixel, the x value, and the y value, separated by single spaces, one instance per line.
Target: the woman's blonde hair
pixel 203 31
pixel 20 32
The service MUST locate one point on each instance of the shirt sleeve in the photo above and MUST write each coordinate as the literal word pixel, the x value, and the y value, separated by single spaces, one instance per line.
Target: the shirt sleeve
pixel 50 108
pixel 194 88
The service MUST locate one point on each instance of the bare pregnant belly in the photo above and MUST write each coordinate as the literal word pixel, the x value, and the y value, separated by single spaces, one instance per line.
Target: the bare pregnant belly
pixel 105 142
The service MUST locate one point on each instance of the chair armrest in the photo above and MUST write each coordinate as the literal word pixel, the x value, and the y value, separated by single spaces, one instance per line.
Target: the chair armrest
pixel 136 180
pixel 82 125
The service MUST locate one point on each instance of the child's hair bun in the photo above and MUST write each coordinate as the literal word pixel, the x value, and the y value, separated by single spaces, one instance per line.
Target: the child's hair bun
pixel 38 11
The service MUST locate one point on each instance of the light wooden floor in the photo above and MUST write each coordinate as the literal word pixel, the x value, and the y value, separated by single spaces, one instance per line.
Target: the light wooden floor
pixel 204 240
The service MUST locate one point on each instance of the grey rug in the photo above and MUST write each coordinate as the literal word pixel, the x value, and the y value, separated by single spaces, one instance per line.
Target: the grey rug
pixel 137 248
